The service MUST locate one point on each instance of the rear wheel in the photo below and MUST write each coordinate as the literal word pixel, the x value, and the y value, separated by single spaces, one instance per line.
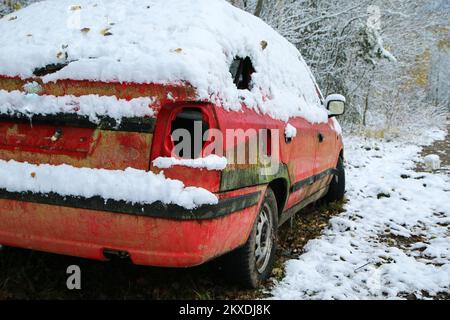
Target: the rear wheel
pixel 252 264
pixel 337 186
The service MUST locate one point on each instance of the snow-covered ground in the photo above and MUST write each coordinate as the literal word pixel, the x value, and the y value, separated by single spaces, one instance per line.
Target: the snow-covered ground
pixel 392 241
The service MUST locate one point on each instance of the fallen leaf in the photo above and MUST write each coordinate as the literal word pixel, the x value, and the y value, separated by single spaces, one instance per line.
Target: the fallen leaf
pixel 33 174
pixel 264 44
pixel 62 55
pixel 178 50
pixel 277 272
pixel 106 32
pixel 85 30
pixel 75 8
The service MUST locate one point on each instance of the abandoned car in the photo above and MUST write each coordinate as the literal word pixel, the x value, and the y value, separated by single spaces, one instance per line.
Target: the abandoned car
pixel 169 133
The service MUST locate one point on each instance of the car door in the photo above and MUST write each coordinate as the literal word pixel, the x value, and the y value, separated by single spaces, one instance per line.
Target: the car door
pixel 299 154
pixel 325 140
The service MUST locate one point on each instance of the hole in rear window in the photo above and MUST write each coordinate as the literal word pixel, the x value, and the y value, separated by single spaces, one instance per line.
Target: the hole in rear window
pixel 187 130
pixel 241 70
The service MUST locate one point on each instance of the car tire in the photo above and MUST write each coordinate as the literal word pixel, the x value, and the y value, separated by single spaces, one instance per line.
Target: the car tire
pixel 251 265
pixel 337 186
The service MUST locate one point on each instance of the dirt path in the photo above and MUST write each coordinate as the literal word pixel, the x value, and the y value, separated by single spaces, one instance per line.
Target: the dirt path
pixel 440 148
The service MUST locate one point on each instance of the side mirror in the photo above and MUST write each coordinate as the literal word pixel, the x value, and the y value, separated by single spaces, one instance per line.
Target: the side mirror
pixel 335 105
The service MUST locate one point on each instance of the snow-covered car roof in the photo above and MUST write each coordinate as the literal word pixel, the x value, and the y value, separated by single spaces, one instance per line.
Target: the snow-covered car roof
pixel 159 41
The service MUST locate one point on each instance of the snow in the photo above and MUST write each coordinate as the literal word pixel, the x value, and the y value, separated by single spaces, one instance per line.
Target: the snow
pixel 211 162
pixel 290 131
pixel 158 41
pixel 92 106
pixel 392 240
pixel 432 162
pixel 335 97
pixel 130 185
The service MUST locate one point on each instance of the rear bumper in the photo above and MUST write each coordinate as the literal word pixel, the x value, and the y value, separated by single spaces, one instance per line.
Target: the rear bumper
pixel 157 235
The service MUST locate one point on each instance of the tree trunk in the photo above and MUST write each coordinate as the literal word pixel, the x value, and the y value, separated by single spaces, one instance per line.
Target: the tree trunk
pixel 366 105
pixel 259 8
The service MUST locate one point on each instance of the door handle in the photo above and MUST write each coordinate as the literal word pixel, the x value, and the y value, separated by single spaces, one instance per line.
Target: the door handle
pixel 321 137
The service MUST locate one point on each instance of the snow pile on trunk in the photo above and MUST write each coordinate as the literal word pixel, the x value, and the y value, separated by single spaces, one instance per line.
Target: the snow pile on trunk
pixel 131 185
pixel 393 240
pixel 211 162
pixel 159 41
pixel 92 106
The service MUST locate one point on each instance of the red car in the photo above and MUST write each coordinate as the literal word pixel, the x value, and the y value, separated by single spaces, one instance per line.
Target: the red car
pixel 90 157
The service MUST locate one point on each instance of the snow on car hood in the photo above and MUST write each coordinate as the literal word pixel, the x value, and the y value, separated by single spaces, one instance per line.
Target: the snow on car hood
pixel 159 41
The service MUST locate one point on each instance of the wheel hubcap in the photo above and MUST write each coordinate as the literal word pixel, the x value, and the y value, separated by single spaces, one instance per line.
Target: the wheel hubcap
pixel 264 239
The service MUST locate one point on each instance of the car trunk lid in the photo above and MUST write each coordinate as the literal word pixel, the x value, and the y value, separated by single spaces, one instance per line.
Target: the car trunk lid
pixel 48 123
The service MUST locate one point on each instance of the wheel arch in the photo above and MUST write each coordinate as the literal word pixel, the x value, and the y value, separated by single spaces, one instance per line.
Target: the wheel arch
pixel 280 189
pixel 341 154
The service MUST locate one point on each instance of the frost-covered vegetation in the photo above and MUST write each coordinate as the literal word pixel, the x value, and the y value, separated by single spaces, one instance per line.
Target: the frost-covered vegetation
pixel 389 57
pixel 8 6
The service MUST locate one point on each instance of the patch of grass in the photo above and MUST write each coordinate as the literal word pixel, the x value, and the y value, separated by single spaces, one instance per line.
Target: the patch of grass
pixel 393 240
pixel 374 133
